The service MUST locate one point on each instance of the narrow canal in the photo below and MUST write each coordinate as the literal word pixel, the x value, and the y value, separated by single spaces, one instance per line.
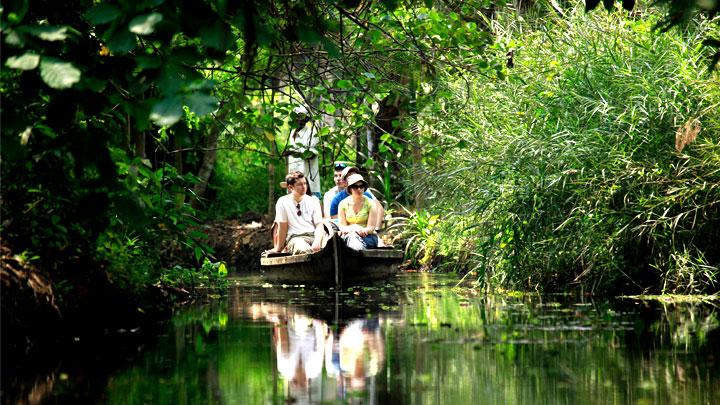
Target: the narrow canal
pixel 413 340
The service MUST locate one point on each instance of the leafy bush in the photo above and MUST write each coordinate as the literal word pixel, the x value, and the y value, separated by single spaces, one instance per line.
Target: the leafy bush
pixel 149 222
pixel 595 163
pixel 209 275
pixel 240 184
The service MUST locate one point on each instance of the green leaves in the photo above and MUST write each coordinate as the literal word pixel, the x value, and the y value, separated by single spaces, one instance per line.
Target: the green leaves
pixel 102 14
pixel 121 40
pixel 344 84
pixel 145 24
pixel 169 110
pixel 58 74
pixel 54 72
pixel 330 108
pixel 27 61
pixel 49 33
pixel 201 104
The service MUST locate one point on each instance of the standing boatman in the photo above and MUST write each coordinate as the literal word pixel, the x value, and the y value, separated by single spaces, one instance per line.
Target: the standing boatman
pixel 302 148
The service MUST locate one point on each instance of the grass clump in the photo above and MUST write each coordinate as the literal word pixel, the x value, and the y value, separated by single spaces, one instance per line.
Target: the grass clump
pixel 595 163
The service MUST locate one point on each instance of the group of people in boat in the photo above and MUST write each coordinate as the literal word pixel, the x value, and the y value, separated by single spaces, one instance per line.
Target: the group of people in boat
pixel 301 222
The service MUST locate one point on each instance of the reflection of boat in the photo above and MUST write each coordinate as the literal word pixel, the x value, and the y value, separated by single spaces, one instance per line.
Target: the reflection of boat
pixel 356 356
pixel 304 345
pixel 334 264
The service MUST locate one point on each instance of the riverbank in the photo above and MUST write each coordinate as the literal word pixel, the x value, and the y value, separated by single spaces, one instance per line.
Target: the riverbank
pixel 239 242
pixel 40 309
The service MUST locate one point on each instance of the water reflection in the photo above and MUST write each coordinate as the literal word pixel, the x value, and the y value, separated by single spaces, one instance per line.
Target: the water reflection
pixel 303 346
pixel 357 357
pixel 416 340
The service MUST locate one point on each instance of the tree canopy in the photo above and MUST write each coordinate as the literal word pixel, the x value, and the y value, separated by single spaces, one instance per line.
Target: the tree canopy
pixel 113 112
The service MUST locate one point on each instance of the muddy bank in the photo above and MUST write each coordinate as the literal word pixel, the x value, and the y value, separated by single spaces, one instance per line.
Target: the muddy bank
pixel 29 307
pixel 41 310
pixel 239 242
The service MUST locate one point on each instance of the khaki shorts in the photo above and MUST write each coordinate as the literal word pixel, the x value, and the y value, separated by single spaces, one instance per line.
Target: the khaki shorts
pixel 300 244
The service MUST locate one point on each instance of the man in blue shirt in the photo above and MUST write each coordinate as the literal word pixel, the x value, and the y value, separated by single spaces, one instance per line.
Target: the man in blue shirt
pixel 340 185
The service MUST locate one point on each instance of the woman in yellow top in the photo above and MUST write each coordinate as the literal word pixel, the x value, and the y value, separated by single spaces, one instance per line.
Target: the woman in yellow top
pixel 355 213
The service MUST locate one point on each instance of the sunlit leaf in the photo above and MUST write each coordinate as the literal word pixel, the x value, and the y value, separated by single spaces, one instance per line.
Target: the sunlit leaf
pixel 49 33
pixel 12 37
pixel 167 111
pixel 27 61
pixel 25 136
pixel 58 74
pixel 145 24
pixel 344 84
pixel 201 104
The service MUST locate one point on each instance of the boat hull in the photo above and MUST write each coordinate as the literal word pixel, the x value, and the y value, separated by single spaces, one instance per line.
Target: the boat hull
pixel 319 268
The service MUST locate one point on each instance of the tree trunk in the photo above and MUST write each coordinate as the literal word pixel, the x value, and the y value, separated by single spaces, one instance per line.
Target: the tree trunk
pixel 179 196
pixel 207 167
pixel 139 142
pixel 271 184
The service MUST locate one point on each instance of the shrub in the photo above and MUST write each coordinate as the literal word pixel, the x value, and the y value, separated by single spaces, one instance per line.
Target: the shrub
pixel 595 163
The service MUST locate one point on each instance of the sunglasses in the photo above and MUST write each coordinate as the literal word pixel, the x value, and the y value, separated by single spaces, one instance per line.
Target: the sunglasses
pixel 358 186
pixel 298 209
pixel 340 166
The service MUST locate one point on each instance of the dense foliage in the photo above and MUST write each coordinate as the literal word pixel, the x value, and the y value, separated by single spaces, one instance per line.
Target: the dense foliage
pixel 125 124
pixel 594 164
pixel 115 113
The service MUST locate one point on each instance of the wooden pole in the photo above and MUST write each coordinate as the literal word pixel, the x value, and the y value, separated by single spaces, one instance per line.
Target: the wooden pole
pixel 336 262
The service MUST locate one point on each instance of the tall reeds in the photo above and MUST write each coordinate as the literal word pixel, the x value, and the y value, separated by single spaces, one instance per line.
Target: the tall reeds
pixel 595 163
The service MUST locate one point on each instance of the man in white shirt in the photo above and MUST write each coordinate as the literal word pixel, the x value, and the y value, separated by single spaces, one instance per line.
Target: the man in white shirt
pixel 340 184
pixel 299 218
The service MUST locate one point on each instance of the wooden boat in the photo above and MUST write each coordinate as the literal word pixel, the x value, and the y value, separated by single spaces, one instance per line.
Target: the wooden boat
pixel 334 264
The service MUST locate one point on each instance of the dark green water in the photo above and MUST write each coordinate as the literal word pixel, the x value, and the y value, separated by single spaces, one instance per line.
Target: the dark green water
pixel 415 340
